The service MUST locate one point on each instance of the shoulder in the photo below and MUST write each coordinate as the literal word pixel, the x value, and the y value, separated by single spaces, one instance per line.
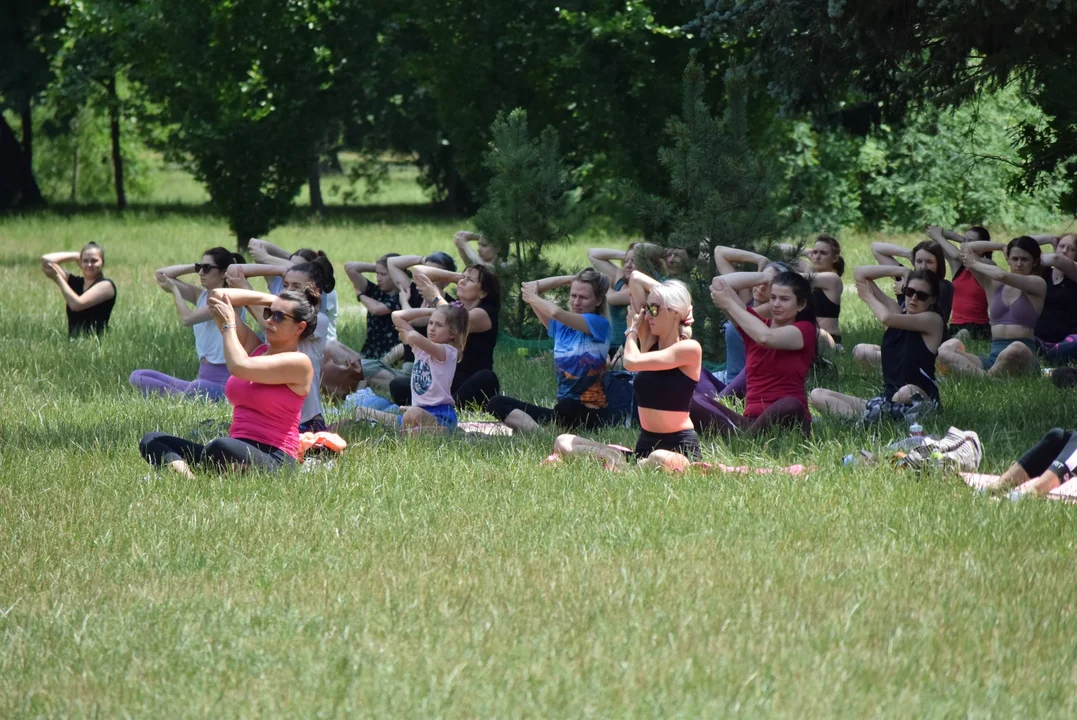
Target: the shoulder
pixel 451 353
pixel 808 330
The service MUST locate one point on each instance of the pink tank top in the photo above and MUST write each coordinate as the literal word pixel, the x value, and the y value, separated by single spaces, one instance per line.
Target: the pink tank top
pixel 265 413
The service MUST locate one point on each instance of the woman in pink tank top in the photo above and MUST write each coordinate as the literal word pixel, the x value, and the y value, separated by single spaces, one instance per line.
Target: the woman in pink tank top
pixel 268 385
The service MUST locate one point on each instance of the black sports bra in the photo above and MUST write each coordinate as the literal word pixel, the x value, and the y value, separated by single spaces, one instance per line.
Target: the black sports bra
pixel 664 390
pixel 824 306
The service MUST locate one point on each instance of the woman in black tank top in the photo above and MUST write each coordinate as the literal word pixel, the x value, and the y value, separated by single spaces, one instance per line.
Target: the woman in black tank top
pixel 667 362
pixel 88 298
pixel 909 348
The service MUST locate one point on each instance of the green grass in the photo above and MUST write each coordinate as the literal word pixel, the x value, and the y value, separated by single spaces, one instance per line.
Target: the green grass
pixel 434 577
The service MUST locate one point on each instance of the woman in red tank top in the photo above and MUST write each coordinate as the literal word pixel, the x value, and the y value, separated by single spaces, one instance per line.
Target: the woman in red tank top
pixel 268 385
pixel 969 311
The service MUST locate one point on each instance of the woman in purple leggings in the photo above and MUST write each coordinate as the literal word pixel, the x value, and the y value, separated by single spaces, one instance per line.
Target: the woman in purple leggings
pixel 208 343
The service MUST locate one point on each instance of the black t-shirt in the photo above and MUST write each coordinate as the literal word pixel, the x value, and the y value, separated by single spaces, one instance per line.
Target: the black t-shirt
pixel 92 319
pixel 479 350
pixel 381 334
pixel 1059 316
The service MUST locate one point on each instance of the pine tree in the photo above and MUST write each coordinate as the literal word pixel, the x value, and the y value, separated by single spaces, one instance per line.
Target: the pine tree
pixel 720 192
pixel 531 203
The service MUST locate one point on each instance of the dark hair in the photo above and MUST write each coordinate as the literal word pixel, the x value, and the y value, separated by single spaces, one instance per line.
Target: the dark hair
pixel 839 262
pixel 599 283
pixel 932 280
pixel 935 249
pixel 781 267
pixel 489 284
pixel 306 309
pixel 441 259
pixel 307 254
pixel 1028 245
pixel 223 257
pixel 981 232
pixel 801 288
pixel 93 246
pixel 320 271
pixel 384 259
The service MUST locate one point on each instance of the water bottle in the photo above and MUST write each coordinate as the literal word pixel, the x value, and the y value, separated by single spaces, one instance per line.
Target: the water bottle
pixel 916 431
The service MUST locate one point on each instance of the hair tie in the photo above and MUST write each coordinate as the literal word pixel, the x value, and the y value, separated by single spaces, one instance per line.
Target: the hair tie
pixel 456 303
pixel 689 319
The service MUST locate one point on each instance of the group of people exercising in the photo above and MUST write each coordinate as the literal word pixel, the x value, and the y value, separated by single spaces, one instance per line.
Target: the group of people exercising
pixel 432 352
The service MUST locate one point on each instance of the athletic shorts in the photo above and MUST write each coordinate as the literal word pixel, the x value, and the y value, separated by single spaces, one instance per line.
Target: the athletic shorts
pixel 684 442
pixel 444 414
pixel 997 346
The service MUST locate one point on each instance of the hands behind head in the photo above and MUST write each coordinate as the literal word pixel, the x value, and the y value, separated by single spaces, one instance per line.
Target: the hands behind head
pixel 465 236
pixel 722 295
pixel 426 286
pixel 934 232
pixel 258 250
pixel 234 277
pixel 221 309
pixel 529 291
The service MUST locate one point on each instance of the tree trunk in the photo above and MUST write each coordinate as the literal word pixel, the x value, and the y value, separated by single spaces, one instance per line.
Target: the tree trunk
pixel 27 134
pixel 315 182
pixel 18 189
pixel 117 156
pixel 75 172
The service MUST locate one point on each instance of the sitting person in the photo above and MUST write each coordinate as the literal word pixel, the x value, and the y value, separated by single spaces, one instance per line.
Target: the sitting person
pixel 479 292
pixel 618 296
pixel 756 295
pixel 266 253
pixel 780 350
pixel 581 344
pixel 909 348
pixel 969 310
pixel 267 387
pixel 380 299
pixel 1046 466
pixel 89 298
pixel 667 363
pixel 436 356
pixel 208 341
pixel 1016 301
pixel 484 253
pixel 1056 328
pixel 314 277
pixel 825 269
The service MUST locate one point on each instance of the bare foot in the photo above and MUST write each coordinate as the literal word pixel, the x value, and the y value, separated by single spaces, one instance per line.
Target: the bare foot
pixel 181 468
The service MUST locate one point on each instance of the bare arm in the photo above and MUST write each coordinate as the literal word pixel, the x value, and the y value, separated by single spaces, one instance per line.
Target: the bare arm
pixel 1060 262
pixel 783 338
pixel 398 267
pixel 167 277
pixel 547 284
pixel 682 354
pixel 952 253
pixel 886 253
pixel 54 259
pixel 373 306
pixel 640 286
pixel 1051 240
pixel 600 260
pixel 986 274
pixel 462 240
pixel 355 271
pixel 242 298
pixel 267 253
pixel 259 270
pixel 437 274
pixel 99 293
pixel 187 316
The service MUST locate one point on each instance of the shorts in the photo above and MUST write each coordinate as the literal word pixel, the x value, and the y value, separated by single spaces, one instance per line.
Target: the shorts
pixel 881 407
pixel 444 414
pixel 685 442
pixel 997 346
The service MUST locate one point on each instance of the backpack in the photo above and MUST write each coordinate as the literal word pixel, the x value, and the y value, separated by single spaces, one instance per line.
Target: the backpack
pixel 620 400
pixel 958 450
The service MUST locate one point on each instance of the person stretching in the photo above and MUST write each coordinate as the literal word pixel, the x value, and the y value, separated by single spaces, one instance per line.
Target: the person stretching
pixel 208 341
pixel 479 292
pixel 1056 328
pixel 667 363
pixel 380 298
pixel 1016 301
pixel 267 386
pixel 436 356
pixel 485 252
pixel 910 346
pixel 618 295
pixel 89 298
pixel 826 268
pixel 266 253
pixel 780 353
pixel 581 339
pixel 969 309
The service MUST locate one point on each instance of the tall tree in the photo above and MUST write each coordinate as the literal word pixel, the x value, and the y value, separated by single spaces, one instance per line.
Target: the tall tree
pixel 29 39
pixel 861 63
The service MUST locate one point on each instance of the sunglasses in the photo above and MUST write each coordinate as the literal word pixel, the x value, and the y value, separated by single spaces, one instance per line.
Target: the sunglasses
pixel 275 316
pixel 204 268
pixel 919 294
pixel 652 309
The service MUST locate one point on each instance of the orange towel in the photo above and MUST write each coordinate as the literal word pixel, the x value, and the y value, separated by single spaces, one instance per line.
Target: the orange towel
pixel 324 439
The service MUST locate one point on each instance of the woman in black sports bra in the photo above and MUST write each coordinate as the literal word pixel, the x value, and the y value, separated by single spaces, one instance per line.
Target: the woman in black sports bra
pixel 667 363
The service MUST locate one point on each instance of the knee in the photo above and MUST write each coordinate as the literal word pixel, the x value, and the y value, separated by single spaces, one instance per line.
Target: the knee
pixel 563 444
pixel 135 378
pixel 818 397
pixel 147 440
pixel 1057 435
pixel 864 353
pixel 498 406
pixel 951 346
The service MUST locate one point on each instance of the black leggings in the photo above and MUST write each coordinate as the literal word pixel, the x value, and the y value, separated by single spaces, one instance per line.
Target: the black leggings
pixel 476 389
pixel 568 413
pixel 226 452
pixel 1056 451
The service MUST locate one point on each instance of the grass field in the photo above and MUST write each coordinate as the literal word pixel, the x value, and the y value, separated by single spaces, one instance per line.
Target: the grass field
pixel 434 577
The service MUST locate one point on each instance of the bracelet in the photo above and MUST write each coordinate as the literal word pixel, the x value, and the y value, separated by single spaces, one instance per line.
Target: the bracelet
pixel 227 327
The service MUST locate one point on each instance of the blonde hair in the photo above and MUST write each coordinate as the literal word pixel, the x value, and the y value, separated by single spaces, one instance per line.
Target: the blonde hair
pixel 457 320
pixel 675 296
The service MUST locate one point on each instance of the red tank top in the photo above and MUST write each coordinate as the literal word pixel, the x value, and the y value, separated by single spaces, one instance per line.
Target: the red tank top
pixel 265 413
pixel 970 300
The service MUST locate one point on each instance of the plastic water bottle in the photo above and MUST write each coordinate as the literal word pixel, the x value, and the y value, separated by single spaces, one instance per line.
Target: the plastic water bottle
pixel 916 431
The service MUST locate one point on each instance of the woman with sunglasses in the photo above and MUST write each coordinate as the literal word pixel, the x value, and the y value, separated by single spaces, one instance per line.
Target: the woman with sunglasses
pixel 312 277
pixel 910 347
pixel 1015 301
pixel 780 353
pixel 89 298
pixel 267 386
pixel 208 342
pixel 659 348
